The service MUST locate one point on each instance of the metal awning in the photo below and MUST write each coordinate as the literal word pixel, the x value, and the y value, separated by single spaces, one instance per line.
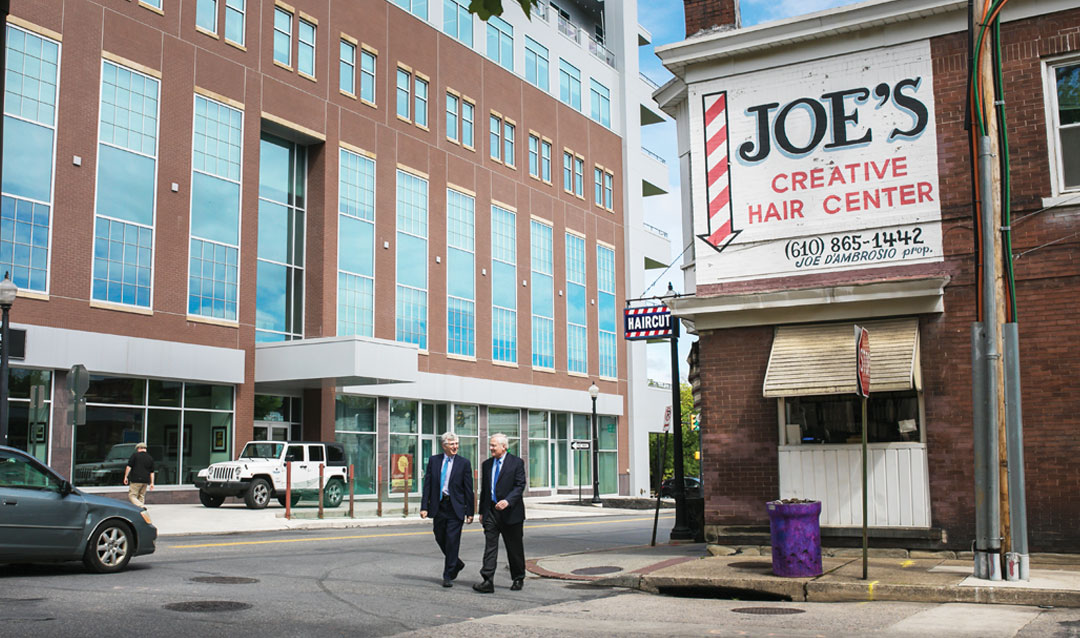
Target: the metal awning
pixel 819 359
pixel 290 366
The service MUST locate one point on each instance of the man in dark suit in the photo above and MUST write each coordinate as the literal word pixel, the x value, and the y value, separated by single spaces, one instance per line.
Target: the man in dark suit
pixel 502 513
pixel 448 497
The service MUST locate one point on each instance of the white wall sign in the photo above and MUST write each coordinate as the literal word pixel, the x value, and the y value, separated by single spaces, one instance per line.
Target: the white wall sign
pixel 822 166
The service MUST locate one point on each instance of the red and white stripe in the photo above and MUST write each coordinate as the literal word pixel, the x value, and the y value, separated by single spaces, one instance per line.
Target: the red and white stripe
pixel 633 334
pixel 716 163
pixel 646 310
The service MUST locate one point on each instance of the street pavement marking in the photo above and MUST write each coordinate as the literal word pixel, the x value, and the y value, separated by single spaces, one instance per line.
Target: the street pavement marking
pixel 393 534
pixel 870 588
pixel 907 563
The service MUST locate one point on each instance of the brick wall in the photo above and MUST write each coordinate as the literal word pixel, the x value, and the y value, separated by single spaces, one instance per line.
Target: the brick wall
pixel 705 14
pixel 739 427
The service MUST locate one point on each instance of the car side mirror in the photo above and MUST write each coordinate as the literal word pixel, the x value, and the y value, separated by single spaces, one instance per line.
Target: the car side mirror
pixel 66 488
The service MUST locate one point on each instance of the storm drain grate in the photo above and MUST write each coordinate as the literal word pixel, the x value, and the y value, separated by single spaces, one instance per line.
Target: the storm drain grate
pixel 225 580
pixel 752 564
pixel 596 571
pixel 769 611
pixel 208 606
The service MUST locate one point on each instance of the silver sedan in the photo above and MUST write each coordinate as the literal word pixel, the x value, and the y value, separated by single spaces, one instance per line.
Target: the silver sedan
pixel 44 518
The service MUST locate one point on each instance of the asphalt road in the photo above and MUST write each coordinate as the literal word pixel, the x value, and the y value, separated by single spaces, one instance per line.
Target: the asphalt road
pixel 386 581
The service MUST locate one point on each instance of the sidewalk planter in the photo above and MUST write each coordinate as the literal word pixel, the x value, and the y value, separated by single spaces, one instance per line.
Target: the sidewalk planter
pixel 795 531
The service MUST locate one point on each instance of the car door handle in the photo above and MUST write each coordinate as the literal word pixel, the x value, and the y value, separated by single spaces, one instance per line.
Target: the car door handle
pixel 10 501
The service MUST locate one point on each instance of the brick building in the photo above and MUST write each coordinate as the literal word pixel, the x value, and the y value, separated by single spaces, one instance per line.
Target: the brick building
pixel 827 177
pixel 358 220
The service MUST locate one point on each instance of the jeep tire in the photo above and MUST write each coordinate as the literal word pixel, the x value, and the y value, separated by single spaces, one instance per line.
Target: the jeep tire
pixel 295 499
pixel 209 500
pixel 333 493
pixel 258 494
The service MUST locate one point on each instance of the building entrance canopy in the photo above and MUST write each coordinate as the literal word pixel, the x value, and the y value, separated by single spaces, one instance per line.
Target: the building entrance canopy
pixel 286 367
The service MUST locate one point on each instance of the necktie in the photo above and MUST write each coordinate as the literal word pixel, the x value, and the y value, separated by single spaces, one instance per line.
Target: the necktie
pixel 494 480
pixel 445 474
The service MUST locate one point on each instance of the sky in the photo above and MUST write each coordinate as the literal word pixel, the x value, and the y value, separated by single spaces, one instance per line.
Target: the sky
pixel 664 20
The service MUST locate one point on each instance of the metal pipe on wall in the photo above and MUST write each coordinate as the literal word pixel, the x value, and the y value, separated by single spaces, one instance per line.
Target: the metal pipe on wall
pixel 1017 559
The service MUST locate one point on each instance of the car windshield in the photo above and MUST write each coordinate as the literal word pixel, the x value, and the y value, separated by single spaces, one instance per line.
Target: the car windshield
pixel 120 452
pixel 261 451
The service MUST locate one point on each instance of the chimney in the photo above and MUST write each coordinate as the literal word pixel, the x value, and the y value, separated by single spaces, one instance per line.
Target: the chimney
pixel 706 14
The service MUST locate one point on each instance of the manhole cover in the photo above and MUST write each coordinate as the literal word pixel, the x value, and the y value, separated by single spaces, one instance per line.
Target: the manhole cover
pixel 208 606
pixel 752 564
pixel 768 611
pixel 596 571
pixel 225 580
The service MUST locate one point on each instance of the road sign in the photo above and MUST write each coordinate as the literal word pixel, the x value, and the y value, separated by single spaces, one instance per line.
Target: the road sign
pixel 16 343
pixel 667 419
pixel 580 445
pixel 648 322
pixel 862 361
pixel 78 380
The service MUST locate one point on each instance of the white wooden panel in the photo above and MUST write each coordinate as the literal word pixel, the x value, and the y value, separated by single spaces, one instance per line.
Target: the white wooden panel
pixel 920 492
pixel 892 480
pixel 832 491
pixel 879 504
pixel 904 486
pixel 843 480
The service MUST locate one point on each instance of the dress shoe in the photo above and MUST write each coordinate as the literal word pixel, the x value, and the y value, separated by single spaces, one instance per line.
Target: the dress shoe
pixel 486 587
pixel 446 583
pixel 518 584
pixel 457 570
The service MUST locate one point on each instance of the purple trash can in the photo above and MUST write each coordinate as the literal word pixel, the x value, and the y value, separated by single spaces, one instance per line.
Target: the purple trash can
pixel 796 538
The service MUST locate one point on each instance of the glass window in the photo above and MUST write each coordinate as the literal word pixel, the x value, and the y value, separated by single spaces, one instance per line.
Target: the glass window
pixel 467 109
pixel 577 349
pixel 598 186
pixel 582 432
pixel 608 455
pixel 543 303
pixel 509 157
pixel 568 171
pixel 503 285
pixel 500 42
pixel 536 64
pixel 600 102
pixel 354 428
pixel 404 80
pixel 569 84
pixel 412 218
pixel 356 244
pixel 282 36
pixel 457 21
pixel 452 106
pixel 367 76
pixel 605 309
pixel 153 3
pixel 890 417
pixel 545 161
pixel 29 430
pixel 467 427
pixel 30 94
pixel 305 48
pixel 538 449
pixel 1066 78
pixel 404 448
pixel 235 11
pixel 460 274
pixel 347 68
pixel 609 190
pixel 579 176
pixel 495 137
pixel 206 15
pixel 534 156
pixel 506 421
pixel 421 100
pixel 418 8
pixel 18 472
pixel 215 210
pixel 279 294
pixel 127 177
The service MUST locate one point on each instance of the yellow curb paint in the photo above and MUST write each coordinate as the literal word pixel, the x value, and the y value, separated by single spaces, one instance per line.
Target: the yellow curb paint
pixel 907 563
pixel 870 589
pixel 394 534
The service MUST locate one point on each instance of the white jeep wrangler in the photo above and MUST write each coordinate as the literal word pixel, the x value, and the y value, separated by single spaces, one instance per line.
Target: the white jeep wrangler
pixel 259 474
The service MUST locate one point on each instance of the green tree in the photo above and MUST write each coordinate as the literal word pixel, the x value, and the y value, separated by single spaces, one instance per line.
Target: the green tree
pixel 484 9
pixel 691 466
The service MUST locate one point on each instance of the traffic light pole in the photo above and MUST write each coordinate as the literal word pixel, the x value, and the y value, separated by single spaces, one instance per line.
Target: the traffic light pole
pixel 681 531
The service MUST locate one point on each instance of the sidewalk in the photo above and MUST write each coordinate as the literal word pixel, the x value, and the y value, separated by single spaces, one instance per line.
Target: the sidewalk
pixel 234 518
pixel 687 569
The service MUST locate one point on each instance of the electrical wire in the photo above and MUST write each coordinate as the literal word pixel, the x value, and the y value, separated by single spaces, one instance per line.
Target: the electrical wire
pixel 673 262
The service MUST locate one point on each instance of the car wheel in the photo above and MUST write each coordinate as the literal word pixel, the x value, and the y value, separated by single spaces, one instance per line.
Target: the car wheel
pixel 258 494
pixel 109 548
pixel 334 493
pixel 209 500
pixel 295 499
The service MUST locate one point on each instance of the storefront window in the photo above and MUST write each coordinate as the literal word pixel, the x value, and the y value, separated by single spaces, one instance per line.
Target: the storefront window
pixel 890 417
pixel 26 431
pixel 467 427
pixel 538 449
pixel 354 425
pixel 506 421
pixel 608 447
pixel 278 418
pixel 186 427
pixel 404 446
pixel 582 458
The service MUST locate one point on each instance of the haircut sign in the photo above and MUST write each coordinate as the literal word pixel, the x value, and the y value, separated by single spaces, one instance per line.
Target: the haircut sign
pixel 821 166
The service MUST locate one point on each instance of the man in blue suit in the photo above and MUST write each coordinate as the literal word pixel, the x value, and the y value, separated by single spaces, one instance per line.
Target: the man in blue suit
pixel 502 513
pixel 448 497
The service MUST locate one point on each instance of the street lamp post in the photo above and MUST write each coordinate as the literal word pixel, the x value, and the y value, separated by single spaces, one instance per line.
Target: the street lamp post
pixel 8 291
pixel 594 392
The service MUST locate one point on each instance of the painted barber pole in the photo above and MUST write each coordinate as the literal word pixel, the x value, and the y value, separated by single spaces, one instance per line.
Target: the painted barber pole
pixel 717 176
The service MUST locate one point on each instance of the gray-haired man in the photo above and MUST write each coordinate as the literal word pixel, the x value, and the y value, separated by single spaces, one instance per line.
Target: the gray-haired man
pixel 448 497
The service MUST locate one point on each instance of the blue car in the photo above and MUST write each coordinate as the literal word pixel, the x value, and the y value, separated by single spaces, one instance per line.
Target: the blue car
pixel 43 518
